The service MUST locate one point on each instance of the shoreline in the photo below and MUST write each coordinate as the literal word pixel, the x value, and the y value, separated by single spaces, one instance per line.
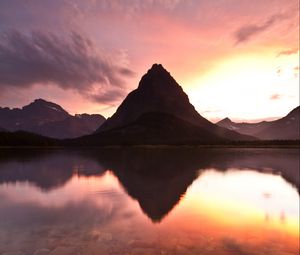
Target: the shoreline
pixel 161 146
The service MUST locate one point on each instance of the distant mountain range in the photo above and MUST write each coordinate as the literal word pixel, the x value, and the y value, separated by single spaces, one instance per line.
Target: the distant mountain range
pixel 157 112
pixel 286 128
pixel 48 119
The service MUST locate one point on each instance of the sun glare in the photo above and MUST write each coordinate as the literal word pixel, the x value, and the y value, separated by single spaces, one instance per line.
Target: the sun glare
pixel 249 86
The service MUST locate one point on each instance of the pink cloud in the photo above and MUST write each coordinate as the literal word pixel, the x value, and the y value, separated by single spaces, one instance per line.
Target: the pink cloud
pixel 275 97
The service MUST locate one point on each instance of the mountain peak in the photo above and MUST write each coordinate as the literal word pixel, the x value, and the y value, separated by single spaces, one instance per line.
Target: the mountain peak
pixel 40 100
pixel 159 92
pixel 43 103
pixel 158 79
pixel 225 121
pixel 40 107
pixel 157 67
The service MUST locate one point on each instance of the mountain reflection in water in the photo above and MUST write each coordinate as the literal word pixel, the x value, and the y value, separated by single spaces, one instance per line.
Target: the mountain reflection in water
pixel 197 201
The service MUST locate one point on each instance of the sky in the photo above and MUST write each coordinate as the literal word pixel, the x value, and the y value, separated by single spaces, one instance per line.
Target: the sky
pixel 234 58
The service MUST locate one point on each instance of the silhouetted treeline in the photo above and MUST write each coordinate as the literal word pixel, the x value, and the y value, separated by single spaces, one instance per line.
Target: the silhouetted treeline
pixel 21 138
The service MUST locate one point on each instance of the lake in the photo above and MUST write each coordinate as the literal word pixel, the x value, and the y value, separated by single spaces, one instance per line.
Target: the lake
pixel 149 201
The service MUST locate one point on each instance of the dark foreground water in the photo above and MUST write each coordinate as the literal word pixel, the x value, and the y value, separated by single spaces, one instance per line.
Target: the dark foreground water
pixel 149 201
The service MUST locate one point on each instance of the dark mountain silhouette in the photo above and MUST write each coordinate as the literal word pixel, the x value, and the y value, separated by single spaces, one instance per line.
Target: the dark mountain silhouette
pixel 2 129
pixel 48 119
pixel 286 128
pixel 25 139
pixel 159 93
pixel 152 128
pixel 244 127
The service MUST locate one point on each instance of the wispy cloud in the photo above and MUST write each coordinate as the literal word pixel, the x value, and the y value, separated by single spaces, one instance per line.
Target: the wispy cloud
pixel 288 52
pixel 108 96
pixel 296 71
pixel 275 97
pixel 246 32
pixel 69 63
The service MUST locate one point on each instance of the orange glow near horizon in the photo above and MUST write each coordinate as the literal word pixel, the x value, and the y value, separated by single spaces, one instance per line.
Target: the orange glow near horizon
pixel 248 87
pixel 238 198
pixel 237 208
pixel 246 207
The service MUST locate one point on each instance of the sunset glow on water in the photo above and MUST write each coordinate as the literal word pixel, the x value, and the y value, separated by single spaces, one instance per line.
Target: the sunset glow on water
pixel 237 211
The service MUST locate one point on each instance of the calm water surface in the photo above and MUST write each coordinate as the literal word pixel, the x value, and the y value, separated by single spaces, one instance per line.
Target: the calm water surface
pixel 149 201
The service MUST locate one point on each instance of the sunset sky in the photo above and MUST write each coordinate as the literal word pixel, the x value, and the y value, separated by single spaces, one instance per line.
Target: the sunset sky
pixel 234 58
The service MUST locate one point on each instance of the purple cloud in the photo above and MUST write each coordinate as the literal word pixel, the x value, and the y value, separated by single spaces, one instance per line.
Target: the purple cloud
pixel 69 63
